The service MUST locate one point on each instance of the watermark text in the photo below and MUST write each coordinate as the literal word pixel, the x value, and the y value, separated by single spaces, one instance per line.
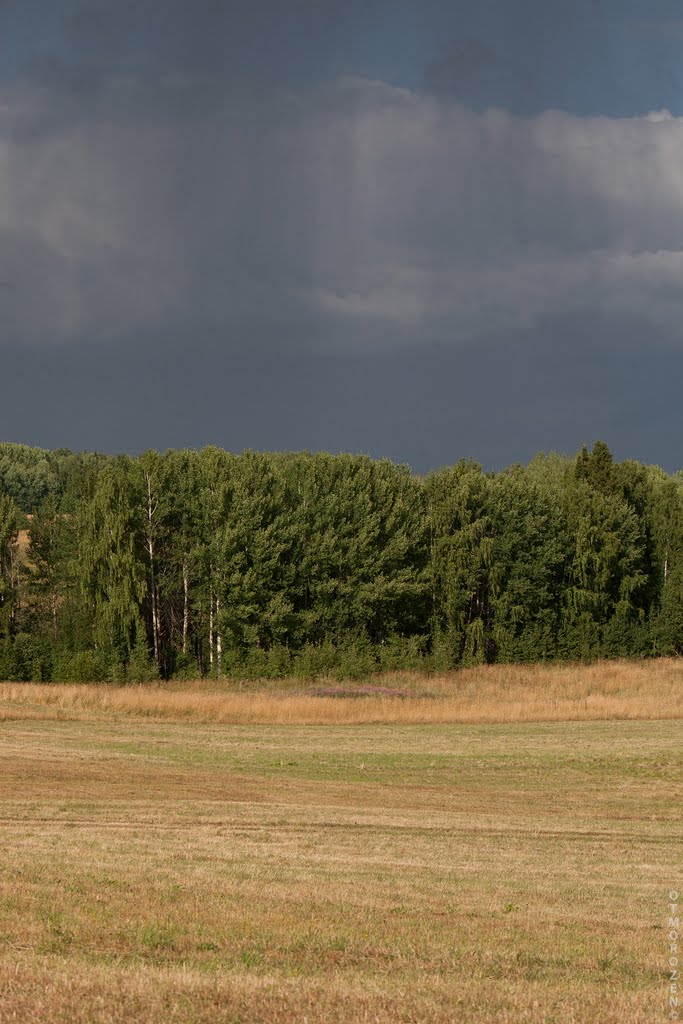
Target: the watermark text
pixel 673 927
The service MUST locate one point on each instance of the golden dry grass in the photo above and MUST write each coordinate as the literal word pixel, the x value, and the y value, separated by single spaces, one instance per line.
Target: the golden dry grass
pixel 200 853
pixel 499 693
pixel 156 872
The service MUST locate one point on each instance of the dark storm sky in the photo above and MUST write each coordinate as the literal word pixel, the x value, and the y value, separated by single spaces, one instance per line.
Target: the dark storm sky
pixel 419 229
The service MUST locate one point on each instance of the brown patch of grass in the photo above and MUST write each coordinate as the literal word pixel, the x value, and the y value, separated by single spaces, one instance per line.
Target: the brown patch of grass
pixel 23 537
pixel 23 540
pixel 498 693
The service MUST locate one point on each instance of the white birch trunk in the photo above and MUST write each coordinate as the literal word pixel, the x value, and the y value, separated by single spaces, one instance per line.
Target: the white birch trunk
pixel 211 631
pixel 219 639
pixel 186 606
pixel 13 578
pixel 150 549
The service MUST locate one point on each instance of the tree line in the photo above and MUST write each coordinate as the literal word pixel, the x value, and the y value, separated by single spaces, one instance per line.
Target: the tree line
pixel 208 563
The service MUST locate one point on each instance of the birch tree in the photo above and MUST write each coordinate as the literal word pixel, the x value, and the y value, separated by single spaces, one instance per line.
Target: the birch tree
pixel 9 519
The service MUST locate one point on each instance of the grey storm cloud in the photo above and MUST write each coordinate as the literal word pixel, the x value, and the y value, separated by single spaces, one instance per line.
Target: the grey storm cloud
pixel 357 215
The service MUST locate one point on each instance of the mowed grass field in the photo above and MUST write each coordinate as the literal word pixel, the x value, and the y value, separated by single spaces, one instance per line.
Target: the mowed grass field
pixel 158 866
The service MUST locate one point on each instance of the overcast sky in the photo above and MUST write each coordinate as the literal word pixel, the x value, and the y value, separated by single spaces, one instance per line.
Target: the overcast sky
pixel 426 229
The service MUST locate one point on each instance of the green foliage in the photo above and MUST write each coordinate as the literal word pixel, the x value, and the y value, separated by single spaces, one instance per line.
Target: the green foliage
pixel 31 658
pixel 461 548
pixel 195 563
pixel 110 562
pixel 9 522
pixel 87 666
pixel 31 475
pixel 356 658
pixel 528 561
pixel 251 551
pixel 597 468
pixel 315 660
pixel 606 573
pixel 141 667
pixel 360 548
pixel 25 475
pixel 402 652
pixel 667 627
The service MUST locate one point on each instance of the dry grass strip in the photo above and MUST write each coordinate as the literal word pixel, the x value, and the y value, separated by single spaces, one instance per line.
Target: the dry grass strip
pixel 640 690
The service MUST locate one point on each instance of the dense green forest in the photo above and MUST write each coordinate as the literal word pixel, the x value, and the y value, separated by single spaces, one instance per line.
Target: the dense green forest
pixel 207 563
